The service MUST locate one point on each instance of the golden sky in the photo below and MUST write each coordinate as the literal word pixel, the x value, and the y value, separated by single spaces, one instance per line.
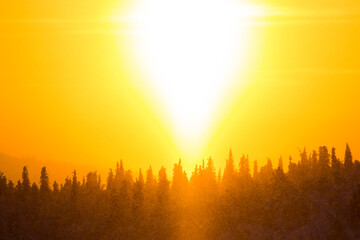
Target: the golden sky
pixel 86 83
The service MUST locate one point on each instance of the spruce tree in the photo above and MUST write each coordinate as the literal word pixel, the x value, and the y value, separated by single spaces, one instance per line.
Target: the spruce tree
pixel 348 163
pixel 55 187
pixel 210 168
pixel 229 172
pixel 34 191
pixel 110 180
pixel 244 167
pixel 74 186
pixel 324 157
pixel 256 169
pixel 162 218
pixel 25 181
pixel 3 184
pixel 280 165
pixel 44 182
pixel 164 187
pixel 335 163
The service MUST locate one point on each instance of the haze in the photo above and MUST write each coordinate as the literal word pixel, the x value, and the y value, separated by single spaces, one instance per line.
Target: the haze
pixel 73 93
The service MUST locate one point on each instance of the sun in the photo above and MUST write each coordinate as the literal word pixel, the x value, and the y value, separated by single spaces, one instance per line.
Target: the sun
pixel 190 50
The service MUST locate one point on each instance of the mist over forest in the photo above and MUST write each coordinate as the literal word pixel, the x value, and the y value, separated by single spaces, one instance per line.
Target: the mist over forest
pixel 317 198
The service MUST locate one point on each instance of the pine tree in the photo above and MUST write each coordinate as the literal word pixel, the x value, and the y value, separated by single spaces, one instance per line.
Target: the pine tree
pixel 292 166
pixel 179 183
pixel 119 175
pixel 162 209
pixel 25 181
pixel 348 163
pixel 229 172
pixel 92 184
pixel 304 158
pixel 244 167
pixel 280 165
pixel 314 159
pixel 210 168
pixel 99 182
pixel 335 163
pixel 324 157
pixel 269 164
pixel 164 187
pixel 74 186
pixel 44 182
pixel 34 191
pixel 219 177
pixel 3 184
pixel 336 167
pixel 138 190
pixel 10 188
pixel 138 205
pixel 110 180
pixel 19 190
pixel 55 187
pixel 256 169
pixel 150 179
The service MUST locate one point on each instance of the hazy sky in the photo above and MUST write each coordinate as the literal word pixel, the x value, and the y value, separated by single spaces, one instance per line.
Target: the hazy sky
pixel 72 91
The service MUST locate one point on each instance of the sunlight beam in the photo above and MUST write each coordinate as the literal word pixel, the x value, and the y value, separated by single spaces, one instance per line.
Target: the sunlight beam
pixel 190 51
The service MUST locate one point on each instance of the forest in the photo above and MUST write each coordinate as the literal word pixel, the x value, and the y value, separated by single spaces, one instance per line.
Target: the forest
pixel 318 197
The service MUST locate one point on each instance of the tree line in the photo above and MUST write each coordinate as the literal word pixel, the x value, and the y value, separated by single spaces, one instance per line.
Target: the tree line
pixel 317 198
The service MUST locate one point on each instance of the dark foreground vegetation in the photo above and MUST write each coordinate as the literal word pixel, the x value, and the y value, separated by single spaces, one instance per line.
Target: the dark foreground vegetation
pixel 317 198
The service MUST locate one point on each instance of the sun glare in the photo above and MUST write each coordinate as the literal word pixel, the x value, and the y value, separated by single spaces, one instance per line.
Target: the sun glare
pixel 190 50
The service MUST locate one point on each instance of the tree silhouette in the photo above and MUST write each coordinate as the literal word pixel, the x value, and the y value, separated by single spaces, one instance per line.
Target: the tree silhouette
pixel 348 163
pixel 25 181
pixel 256 171
pixel 313 199
pixel 280 165
pixel 55 187
pixel 244 167
pixel 44 182
pixel 229 172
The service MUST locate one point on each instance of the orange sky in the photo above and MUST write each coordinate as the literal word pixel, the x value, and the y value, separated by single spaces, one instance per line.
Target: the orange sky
pixel 72 93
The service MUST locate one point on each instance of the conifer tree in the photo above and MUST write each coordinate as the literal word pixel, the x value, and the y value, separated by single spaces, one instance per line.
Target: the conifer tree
pixel 34 191
pixel 119 175
pixel 10 187
pixel 336 167
pixel 162 209
pixel 138 205
pixel 303 158
pixel 74 186
pixel 229 172
pixel 3 184
pixel 44 182
pixel 269 164
pixel 348 163
pixel 55 187
pixel 150 179
pixel 19 191
pixel 164 187
pixel 25 181
pixel 324 157
pixel 335 163
pixel 92 184
pixel 314 159
pixel 280 165
pixel 138 190
pixel 219 177
pixel 244 167
pixel 110 180
pixel 256 169
pixel 179 182
pixel 210 168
